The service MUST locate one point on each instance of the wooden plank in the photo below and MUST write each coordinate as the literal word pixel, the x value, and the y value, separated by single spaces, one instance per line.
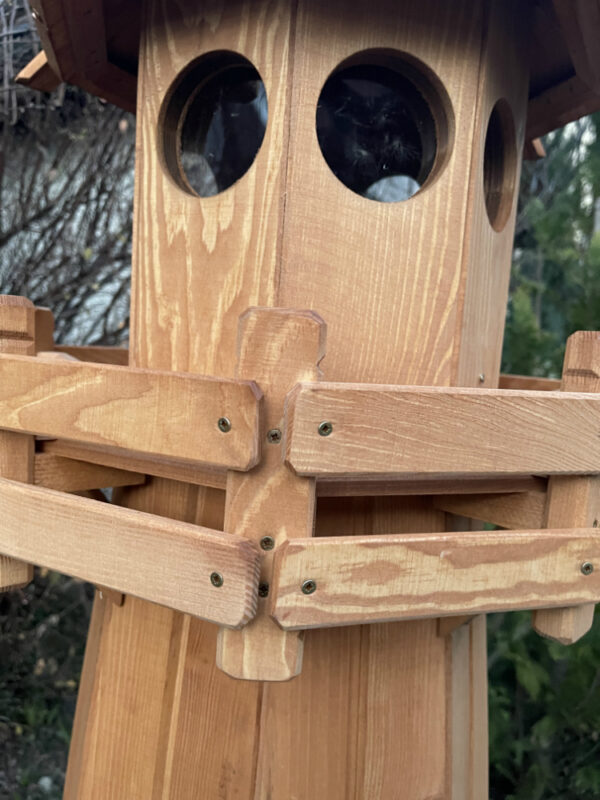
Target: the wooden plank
pixel 44 329
pixel 17 335
pixel 533 151
pixel 391 430
pixel 68 475
pixel 98 355
pixel 580 23
pixel 382 578
pixel 136 462
pixel 117 407
pixel 573 502
pixel 217 479
pixel 529 383
pixel 515 510
pixel 38 74
pixel 164 561
pixel 277 347
pixel 558 105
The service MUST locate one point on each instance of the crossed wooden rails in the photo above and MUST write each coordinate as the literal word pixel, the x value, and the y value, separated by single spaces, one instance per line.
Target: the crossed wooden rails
pixel 524 460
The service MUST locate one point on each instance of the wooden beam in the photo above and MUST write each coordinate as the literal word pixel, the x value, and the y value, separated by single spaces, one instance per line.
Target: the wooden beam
pixel 528 382
pixel 162 414
pixel 17 335
pixel 277 347
pixel 573 502
pixel 559 105
pixel 98 355
pixel 580 23
pixel 384 578
pixel 394 430
pixel 68 475
pixel 515 510
pixel 38 74
pixel 157 559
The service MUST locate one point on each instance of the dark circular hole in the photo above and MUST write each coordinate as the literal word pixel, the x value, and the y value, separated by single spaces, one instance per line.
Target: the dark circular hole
pixel 500 165
pixel 213 123
pixel 377 126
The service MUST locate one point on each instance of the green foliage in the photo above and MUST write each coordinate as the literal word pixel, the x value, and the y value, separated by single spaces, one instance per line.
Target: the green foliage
pixel 42 630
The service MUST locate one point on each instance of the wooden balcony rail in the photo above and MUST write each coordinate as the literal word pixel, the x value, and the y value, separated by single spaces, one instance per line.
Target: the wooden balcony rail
pixel 349 580
pixel 351 430
pixel 162 414
pixel 186 567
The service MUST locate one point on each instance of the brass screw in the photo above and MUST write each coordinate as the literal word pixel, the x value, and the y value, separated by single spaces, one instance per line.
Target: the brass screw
pixel 224 424
pixel 325 429
pixel 309 586
pixel 274 436
pixel 267 542
pixel 216 579
pixel 263 589
pixel 587 568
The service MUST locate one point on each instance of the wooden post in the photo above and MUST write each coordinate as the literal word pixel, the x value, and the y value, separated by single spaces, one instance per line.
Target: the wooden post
pixel 573 502
pixel 412 293
pixel 17 335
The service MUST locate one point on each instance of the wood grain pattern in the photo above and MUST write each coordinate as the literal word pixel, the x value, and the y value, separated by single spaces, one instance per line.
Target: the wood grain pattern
pixel 528 383
pixel 17 335
pixel 117 407
pixel 68 475
pixel 98 355
pixel 387 430
pixel 522 510
pixel 38 74
pixel 573 502
pixel 167 562
pixel 277 347
pixel 374 579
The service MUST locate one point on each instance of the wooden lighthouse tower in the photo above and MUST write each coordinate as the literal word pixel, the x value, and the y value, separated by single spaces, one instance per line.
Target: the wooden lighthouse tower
pixel 309 419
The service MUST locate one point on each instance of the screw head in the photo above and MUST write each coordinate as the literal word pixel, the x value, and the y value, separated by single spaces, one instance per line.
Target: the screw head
pixel 595 523
pixel 587 568
pixel 325 429
pixel 263 589
pixel 481 377
pixel 309 586
pixel 267 543
pixel 274 436
pixel 216 579
pixel 224 424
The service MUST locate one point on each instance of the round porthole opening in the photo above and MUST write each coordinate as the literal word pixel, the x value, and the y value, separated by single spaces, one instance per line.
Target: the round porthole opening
pixel 383 125
pixel 213 123
pixel 500 165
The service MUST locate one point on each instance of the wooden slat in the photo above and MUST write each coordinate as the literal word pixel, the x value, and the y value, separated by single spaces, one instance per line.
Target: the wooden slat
pixel 217 479
pixel 391 430
pixel 515 510
pixel 38 74
pixel 158 413
pixel 278 347
pixel 580 23
pixel 382 578
pixel 558 105
pixel 528 383
pixel 98 355
pixel 17 335
pixel 167 562
pixel 68 475
pixel 573 502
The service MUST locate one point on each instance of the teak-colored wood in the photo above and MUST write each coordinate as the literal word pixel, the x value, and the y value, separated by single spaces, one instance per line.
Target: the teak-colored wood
pixel 38 74
pixel 389 430
pixel 374 579
pixel 116 407
pixel 68 475
pixel 98 355
pixel 522 510
pixel 17 335
pixel 528 383
pixel 278 348
pixel 574 502
pixel 397 284
pixel 99 543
